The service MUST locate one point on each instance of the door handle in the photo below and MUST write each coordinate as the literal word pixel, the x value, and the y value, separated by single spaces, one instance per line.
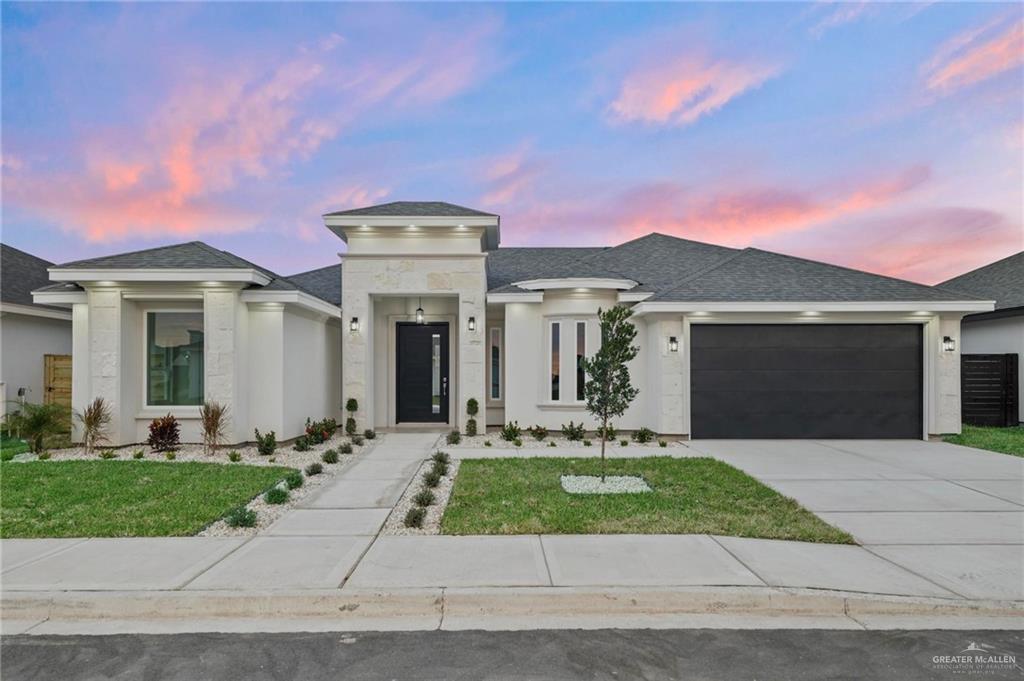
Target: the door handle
pixel 444 387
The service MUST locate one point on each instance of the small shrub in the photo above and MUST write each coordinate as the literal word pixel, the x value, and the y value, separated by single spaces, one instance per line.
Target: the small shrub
pixel 330 456
pixel 346 448
pixel 424 498
pixel 294 480
pixel 164 433
pixel 276 495
pixel 272 459
pixel 95 420
pixel 606 433
pixel 240 517
pixel 44 456
pixel 643 436
pixel 441 456
pixel 573 431
pixel 662 443
pixel 624 443
pixel 138 454
pixel 351 405
pixel 370 434
pixel 511 431
pixel 517 442
pixel 440 467
pixel 350 426
pixel 314 469
pixel 170 455
pixel 487 443
pixel 538 432
pixel 214 419
pixel 471 427
pixel 301 444
pixel 320 431
pixel 552 444
pixel 472 406
pixel 357 440
pixel 587 443
pixel 415 517
pixel 36 422
pixel 454 438
pixel 108 454
pixel 234 456
pixel 431 479
pixel 266 443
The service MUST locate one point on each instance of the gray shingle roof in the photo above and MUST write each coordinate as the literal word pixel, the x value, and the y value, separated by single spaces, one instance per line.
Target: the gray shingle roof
pixel 324 282
pixel 20 274
pixel 415 209
pixel 506 265
pixel 753 275
pixel 190 255
pixel 1001 281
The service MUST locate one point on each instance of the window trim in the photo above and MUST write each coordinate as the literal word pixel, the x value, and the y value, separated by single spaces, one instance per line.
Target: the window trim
pixel 551 353
pixel 579 385
pixel 146 406
pixel 495 340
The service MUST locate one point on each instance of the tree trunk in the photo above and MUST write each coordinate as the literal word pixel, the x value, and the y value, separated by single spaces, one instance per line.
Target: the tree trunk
pixel 604 436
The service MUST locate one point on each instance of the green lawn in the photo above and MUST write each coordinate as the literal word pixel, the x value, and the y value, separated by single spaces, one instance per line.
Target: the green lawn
pixel 1005 440
pixel 11 447
pixel 690 496
pixel 123 498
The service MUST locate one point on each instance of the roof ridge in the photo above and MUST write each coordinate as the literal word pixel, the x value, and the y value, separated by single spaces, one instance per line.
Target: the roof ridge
pixel 222 254
pixel 27 254
pixel 851 269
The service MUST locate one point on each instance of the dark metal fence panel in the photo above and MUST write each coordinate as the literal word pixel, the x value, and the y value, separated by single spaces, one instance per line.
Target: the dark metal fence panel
pixel 988 389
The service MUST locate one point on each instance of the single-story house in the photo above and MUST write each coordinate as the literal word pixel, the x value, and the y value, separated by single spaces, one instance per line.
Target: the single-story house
pixel 35 340
pixel 999 331
pixel 426 310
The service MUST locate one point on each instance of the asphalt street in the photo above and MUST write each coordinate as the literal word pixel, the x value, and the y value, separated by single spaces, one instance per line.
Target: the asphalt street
pixel 542 655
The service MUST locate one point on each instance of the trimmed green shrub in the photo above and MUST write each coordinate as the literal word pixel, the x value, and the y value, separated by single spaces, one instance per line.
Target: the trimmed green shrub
pixel 330 456
pixel 511 431
pixel 294 480
pixel 320 431
pixel 345 448
pixel 301 444
pixel 240 517
pixel 517 442
pixel 351 406
pixel 538 432
pixel 454 438
pixel 441 456
pixel 266 443
pixel 573 431
pixel 370 434
pixel 662 443
pixel 607 433
pixel 471 427
pixel 552 444
pixel 164 433
pixel 624 443
pixel 587 443
pixel 424 498
pixel 171 455
pixel 431 478
pixel 415 517
pixel 644 435
pixel 487 443
pixel 440 467
pixel 357 440
pixel 138 454
pixel 276 495
pixel 314 469
pixel 44 455
pixel 234 456
pixel 472 406
pixel 272 459
pixel 350 426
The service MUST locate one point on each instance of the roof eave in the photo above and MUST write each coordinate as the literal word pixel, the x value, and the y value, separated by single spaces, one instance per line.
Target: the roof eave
pixel 159 274
pixel 964 306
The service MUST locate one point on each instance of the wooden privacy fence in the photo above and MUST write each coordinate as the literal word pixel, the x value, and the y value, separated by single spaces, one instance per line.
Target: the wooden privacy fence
pixel 988 388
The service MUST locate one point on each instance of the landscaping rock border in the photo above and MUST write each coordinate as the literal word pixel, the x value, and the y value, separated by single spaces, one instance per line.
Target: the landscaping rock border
pixel 395 524
pixel 529 442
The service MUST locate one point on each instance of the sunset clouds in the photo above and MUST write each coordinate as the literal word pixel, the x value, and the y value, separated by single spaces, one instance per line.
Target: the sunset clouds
pixel 977 55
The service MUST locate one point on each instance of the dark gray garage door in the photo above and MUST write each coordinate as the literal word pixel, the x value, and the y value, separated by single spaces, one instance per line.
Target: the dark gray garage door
pixel 806 381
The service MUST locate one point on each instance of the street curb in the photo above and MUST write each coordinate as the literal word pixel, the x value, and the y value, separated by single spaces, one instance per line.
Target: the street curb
pixel 396 606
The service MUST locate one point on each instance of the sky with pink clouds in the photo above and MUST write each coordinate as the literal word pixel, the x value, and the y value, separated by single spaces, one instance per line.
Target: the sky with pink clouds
pixel 887 137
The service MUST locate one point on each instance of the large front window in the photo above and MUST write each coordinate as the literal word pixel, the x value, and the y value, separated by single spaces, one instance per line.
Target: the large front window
pixel 174 358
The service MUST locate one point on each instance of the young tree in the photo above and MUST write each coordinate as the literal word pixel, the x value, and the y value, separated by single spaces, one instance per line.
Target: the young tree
pixel 608 390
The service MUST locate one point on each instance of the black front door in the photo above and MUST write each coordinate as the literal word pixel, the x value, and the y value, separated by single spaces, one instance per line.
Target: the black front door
pixel 422 372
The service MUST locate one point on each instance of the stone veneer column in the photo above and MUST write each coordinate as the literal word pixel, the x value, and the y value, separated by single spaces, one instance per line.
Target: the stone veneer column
pixel 222 372
pixel 104 379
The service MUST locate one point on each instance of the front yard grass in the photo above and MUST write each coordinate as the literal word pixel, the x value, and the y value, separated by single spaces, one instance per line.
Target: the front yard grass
pixel 690 496
pixel 1004 440
pixel 123 498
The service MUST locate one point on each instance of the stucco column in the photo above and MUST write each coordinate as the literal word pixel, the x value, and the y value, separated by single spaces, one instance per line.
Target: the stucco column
pixel 220 320
pixel 472 377
pixel 666 401
pixel 80 370
pixel 947 376
pixel 104 360
pixel 357 346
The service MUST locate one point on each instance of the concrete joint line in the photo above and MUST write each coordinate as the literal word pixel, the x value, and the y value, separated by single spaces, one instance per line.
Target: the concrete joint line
pixel 916 574
pixel 988 494
pixel 544 555
pixel 737 559
pixel 209 567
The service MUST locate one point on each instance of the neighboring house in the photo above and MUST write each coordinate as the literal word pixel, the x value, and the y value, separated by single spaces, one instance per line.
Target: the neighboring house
pixel 426 311
pixel 1000 331
pixel 35 340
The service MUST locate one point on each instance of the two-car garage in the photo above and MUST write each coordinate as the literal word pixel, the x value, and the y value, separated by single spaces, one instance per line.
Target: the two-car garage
pixel 806 381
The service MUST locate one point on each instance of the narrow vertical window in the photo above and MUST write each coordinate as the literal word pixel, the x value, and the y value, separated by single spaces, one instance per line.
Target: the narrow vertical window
pixel 581 352
pixel 495 364
pixel 556 332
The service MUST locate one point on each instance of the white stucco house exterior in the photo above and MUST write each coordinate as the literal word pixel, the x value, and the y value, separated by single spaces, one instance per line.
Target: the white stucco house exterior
pixel 33 337
pixel 426 310
pixel 1000 331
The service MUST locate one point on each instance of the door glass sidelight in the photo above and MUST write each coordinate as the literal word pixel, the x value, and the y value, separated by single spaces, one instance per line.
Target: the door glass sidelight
pixel 435 364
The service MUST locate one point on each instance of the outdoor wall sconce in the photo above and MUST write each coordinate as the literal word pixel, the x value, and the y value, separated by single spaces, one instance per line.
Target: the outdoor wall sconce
pixel 673 344
pixel 353 325
pixel 419 313
pixel 948 344
pixel 471 324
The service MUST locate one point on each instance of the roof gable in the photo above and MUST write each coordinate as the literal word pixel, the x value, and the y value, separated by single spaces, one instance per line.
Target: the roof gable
pixel 414 209
pixel 1001 281
pixel 20 274
pixel 324 282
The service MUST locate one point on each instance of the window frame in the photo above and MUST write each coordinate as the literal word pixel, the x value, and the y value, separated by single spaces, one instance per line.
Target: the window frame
pixel 145 357
pixel 495 339
pixel 552 352
pixel 578 394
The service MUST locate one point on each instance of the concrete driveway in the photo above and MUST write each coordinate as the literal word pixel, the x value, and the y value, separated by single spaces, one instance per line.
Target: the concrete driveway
pixel 952 515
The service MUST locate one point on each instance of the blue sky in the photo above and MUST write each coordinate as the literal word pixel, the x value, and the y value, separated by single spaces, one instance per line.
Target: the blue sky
pixel 881 136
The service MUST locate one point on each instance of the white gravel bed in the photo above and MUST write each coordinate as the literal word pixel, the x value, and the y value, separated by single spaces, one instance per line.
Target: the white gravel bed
pixel 613 484
pixel 530 442
pixel 395 524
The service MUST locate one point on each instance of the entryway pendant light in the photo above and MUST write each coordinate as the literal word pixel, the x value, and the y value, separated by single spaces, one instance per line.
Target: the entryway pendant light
pixel 419 313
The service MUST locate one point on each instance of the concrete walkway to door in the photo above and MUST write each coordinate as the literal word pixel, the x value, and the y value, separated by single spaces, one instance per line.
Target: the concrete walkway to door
pixel 949 514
